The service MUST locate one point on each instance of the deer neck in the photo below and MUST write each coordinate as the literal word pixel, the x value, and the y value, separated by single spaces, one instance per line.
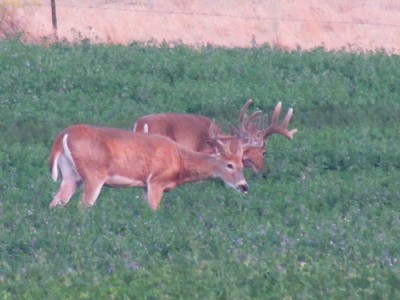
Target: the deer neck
pixel 197 166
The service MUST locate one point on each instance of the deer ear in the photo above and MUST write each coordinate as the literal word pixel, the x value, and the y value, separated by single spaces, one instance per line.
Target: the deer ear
pixel 213 130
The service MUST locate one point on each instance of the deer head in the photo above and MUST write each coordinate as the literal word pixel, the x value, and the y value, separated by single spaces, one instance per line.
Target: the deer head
pixel 255 130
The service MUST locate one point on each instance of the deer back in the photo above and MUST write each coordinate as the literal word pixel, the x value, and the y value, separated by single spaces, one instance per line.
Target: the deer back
pixel 190 131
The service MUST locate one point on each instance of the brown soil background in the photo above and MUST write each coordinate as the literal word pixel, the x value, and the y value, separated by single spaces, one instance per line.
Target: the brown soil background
pixel 355 25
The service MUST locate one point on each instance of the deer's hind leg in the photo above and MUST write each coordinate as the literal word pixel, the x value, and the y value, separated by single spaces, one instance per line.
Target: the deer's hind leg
pixel 70 182
pixel 67 190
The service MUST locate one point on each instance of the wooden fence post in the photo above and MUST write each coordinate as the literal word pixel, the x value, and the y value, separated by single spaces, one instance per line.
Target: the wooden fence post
pixel 54 17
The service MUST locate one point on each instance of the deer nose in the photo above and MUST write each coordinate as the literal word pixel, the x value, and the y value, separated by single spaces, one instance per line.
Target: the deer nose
pixel 243 187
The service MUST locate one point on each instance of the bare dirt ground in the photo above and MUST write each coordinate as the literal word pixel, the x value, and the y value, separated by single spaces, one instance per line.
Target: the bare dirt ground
pixel 354 25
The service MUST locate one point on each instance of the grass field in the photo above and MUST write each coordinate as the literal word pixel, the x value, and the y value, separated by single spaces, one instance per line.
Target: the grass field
pixel 322 222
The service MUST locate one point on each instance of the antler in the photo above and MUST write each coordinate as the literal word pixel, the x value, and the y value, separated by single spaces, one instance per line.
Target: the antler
pixel 248 126
pixel 268 130
pixel 218 141
pixel 245 123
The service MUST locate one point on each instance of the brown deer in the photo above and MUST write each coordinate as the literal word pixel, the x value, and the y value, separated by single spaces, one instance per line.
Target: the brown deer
pixel 191 131
pixel 97 156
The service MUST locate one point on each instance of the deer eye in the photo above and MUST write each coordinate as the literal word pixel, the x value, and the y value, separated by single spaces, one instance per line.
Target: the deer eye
pixel 229 166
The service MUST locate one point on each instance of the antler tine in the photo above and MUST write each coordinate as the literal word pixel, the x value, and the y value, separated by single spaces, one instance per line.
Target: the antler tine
pixel 264 122
pixel 244 121
pixel 219 141
pixel 286 121
pixel 287 118
pixel 253 119
pixel 214 132
pixel 277 112
pixel 291 133
pixel 248 127
pixel 242 115
pixel 252 139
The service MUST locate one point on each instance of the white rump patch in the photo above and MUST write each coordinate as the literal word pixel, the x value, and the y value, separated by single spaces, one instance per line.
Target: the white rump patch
pixel 67 152
pixel 54 170
pixel 57 162
pixel 64 162
pixel 146 128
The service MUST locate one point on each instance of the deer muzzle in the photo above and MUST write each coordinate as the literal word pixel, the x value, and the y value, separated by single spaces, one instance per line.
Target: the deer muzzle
pixel 242 187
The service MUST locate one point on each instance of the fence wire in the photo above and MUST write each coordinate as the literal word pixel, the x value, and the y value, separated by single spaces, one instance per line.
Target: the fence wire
pixel 216 15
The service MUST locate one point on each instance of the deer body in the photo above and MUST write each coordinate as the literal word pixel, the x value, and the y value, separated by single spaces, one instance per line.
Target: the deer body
pixel 97 156
pixel 192 132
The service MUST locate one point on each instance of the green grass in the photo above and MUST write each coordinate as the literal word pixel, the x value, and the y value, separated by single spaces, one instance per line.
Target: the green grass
pixel 322 222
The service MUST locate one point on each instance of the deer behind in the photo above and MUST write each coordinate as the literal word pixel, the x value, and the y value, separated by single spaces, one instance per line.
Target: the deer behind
pixel 192 131
pixel 97 156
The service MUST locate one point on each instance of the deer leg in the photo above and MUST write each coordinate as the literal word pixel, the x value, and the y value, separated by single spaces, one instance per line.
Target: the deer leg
pixel 154 194
pixel 69 184
pixel 91 191
pixel 67 190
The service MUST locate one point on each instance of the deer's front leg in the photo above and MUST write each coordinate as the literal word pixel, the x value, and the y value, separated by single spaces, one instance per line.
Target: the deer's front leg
pixel 155 193
pixel 154 196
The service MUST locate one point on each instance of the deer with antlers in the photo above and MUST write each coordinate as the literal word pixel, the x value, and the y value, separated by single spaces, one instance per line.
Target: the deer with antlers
pixel 98 156
pixel 191 131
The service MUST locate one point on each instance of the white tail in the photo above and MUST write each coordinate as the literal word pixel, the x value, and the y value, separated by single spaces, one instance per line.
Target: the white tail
pixel 97 156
